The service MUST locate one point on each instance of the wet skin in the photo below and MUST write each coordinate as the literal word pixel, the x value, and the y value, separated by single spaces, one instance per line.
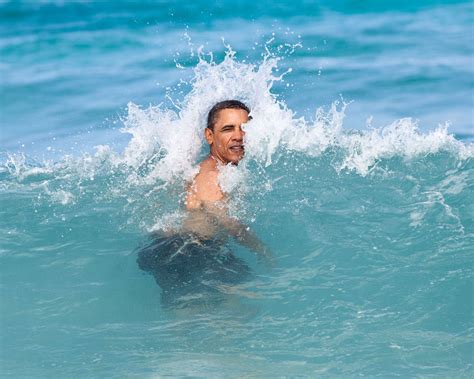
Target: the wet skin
pixel 226 137
pixel 205 201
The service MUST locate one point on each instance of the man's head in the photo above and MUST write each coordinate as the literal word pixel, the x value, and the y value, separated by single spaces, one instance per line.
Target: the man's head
pixel 224 132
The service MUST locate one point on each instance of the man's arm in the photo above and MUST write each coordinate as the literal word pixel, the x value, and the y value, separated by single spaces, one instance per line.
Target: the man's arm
pixel 246 237
pixel 240 232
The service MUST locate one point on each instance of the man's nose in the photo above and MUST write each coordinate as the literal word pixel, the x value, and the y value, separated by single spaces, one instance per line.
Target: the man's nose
pixel 239 133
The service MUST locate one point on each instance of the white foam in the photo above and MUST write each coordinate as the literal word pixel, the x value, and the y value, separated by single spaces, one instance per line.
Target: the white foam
pixel 61 196
pixel 176 137
pixel 166 144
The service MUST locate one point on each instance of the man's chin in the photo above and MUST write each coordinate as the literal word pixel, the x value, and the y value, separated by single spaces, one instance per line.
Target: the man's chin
pixel 236 160
pixel 231 158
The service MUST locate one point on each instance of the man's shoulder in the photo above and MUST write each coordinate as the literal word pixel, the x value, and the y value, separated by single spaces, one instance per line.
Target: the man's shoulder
pixel 208 171
pixel 205 185
pixel 207 178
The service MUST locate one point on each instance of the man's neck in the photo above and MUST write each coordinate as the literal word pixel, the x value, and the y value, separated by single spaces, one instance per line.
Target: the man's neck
pixel 218 162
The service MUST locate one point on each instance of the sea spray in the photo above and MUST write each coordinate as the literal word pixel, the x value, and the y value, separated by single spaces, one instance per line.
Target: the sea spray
pixel 153 170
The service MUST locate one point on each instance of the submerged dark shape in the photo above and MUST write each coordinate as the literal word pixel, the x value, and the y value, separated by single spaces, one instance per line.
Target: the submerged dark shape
pixel 190 269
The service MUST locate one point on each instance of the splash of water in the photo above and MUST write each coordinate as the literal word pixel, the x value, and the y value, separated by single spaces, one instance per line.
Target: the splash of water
pixel 166 144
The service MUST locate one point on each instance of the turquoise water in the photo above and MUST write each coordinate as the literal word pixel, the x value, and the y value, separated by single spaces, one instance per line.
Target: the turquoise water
pixel 352 178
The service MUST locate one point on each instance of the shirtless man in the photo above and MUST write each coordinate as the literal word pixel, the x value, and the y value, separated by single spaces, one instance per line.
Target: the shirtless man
pixel 205 200
pixel 190 263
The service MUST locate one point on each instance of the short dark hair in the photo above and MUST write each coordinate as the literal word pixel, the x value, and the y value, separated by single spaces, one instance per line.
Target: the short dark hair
pixel 226 104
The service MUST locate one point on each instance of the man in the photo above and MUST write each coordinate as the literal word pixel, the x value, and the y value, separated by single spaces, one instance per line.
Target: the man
pixel 224 135
pixel 194 262
pixel 205 200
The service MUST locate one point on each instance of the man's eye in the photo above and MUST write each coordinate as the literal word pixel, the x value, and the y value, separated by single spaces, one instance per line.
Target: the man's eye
pixel 227 128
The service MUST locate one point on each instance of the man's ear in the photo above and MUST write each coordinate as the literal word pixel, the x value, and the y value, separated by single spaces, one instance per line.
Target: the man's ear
pixel 209 135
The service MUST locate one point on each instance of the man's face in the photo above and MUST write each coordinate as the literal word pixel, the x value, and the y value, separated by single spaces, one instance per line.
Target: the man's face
pixel 226 139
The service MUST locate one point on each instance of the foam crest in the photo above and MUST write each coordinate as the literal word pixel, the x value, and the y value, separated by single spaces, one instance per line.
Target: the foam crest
pixel 166 145
pixel 359 150
pixel 403 139
pixel 17 165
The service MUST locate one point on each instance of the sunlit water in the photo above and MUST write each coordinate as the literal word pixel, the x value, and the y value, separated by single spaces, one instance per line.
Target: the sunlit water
pixel 372 227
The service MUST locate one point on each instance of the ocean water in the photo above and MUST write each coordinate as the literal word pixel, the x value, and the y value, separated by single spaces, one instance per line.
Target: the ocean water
pixel 358 175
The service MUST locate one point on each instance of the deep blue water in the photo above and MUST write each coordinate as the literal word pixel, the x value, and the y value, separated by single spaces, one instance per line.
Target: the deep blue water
pixel 358 175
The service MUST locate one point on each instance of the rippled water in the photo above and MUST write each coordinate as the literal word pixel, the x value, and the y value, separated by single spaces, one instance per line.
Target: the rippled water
pixel 372 227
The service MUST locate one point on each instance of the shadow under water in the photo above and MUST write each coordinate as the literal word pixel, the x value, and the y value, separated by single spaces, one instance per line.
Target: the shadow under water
pixel 192 271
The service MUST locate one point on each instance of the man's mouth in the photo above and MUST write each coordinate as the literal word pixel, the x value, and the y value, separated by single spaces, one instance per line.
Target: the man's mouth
pixel 237 148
